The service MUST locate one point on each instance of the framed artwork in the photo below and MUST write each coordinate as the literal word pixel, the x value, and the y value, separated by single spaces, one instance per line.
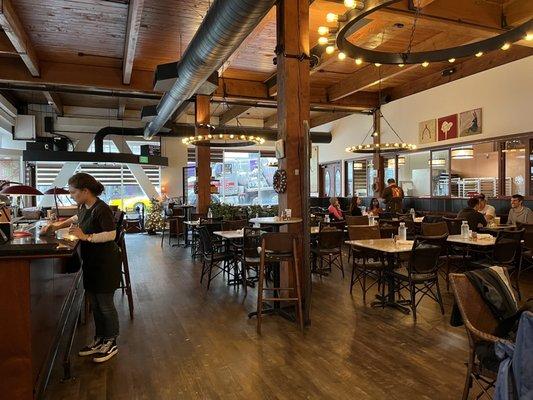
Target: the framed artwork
pixel 427 131
pixel 280 149
pixel 470 122
pixel 447 127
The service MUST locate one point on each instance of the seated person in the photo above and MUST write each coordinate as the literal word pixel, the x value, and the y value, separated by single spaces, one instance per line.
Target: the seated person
pixel 334 209
pixel 355 209
pixel 518 212
pixel 486 209
pixel 471 214
pixel 374 208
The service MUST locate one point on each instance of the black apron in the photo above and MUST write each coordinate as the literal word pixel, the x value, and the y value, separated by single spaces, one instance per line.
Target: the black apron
pixel 101 262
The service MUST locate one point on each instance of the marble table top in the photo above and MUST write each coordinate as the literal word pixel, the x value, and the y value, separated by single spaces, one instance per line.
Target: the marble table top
pixel 275 221
pixel 383 245
pixel 488 240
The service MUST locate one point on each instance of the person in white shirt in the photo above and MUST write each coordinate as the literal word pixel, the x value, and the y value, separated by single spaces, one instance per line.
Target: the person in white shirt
pixel 488 211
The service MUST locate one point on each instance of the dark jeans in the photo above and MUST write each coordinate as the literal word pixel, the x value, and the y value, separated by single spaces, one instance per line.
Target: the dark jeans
pixel 105 315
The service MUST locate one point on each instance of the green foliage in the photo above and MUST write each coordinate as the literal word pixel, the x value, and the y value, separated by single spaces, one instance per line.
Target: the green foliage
pixel 230 212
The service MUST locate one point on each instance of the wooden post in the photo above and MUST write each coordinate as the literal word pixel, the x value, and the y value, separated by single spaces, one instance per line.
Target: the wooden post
pixel 203 155
pixel 379 163
pixel 293 124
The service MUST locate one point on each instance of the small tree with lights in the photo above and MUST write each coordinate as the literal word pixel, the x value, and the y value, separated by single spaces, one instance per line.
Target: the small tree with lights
pixel 154 220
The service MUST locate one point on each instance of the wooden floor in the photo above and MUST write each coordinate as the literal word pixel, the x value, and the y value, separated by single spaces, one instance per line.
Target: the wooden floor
pixel 186 343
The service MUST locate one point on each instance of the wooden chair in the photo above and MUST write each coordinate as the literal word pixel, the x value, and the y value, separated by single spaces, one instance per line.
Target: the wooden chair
pixel 480 326
pixel 431 219
pixel 173 224
pixel 366 268
pixel 249 256
pixel 278 247
pixel 434 228
pixel 212 256
pixel 388 227
pixel 329 249
pixel 234 225
pixel 421 275
pixel 357 220
pixel 125 279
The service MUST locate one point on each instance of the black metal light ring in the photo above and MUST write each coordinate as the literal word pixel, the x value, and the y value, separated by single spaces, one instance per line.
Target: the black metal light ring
pixel 356 16
pixel 208 143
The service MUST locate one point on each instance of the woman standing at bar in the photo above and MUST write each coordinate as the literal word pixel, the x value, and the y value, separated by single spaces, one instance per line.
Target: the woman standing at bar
pixel 94 226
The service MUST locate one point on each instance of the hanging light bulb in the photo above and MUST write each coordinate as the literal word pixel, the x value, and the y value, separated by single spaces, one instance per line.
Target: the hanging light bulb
pixel 341 56
pixel 451 60
pixel 529 36
pixel 401 65
pixel 332 17
pixel 377 64
pixel 350 3
pixel 375 134
pixel 322 40
pixel 358 61
pixel 425 64
pixel 323 30
pixel 330 49
pixel 506 46
pixel 479 54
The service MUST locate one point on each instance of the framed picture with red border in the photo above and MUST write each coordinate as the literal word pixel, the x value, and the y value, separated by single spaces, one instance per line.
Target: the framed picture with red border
pixel 447 127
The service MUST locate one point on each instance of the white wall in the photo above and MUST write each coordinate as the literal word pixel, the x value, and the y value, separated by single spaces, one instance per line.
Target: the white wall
pixel 505 94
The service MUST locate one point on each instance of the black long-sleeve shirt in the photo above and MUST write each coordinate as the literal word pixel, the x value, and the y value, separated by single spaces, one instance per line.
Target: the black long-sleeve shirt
pixel 473 217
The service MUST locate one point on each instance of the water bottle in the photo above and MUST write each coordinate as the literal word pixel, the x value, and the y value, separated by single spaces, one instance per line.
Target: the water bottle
pixel 402 231
pixel 209 214
pixel 464 230
pixel 326 219
pixel 413 213
pixel 371 220
pixel 256 223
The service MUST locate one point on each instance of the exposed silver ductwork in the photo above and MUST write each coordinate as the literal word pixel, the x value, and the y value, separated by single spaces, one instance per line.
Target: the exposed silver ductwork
pixel 226 25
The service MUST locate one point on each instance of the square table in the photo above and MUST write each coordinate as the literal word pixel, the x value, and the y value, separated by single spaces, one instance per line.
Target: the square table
pixel 481 242
pixel 390 248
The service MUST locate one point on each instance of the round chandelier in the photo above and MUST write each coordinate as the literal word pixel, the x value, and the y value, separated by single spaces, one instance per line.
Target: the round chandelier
pixel 347 24
pixel 214 139
pixel 388 147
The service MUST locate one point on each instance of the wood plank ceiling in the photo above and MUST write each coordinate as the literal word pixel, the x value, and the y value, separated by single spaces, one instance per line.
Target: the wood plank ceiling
pixel 114 46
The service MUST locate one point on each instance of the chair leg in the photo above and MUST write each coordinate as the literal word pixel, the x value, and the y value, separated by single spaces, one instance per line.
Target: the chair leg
pixel 209 275
pixel 260 291
pixel 353 276
pixel 468 381
pixel 203 271
pixel 342 265
pixel 162 237
pixel 129 292
pixel 363 285
pixel 412 289
pixel 439 297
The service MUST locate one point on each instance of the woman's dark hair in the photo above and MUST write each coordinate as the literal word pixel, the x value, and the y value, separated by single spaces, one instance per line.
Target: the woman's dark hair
pixel 372 202
pixel 472 202
pixel 81 181
pixel 353 204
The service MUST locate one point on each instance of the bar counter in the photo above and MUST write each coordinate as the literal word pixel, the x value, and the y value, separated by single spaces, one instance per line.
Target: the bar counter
pixel 40 298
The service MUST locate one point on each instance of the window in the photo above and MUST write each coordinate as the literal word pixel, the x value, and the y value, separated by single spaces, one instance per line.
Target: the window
pixel 440 180
pixel 513 154
pixel 10 168
pixel 327 183
pixel 413 174
pixel 474 169
pixel 121 186
pixel 240 178
pixel 338 183
pixel 359 178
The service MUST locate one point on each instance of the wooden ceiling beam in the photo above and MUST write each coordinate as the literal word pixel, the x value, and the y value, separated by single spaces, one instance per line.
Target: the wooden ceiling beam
pixel 466 68
pixel 232 113
pixel 121 110
pixel 132 34
pixel 12 26
pixel 271 121
pixel 328 117
pixel 258 30
pixel 517 12
pixel 54 99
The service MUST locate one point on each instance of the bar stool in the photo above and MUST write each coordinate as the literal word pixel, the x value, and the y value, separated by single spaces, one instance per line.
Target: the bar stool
pixel 279 247
pixel 125 281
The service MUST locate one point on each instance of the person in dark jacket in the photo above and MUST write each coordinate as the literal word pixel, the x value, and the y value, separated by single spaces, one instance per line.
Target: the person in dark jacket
pixel 471 215
pixel 355 210
pixel 393 197
pixel 95 227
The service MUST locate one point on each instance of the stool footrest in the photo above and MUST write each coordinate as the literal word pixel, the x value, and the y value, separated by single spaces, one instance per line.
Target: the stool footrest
pixel 280 299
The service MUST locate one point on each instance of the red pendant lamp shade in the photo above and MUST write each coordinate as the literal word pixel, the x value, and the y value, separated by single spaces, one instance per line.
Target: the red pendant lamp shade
pixel 20 190
pixel 57 191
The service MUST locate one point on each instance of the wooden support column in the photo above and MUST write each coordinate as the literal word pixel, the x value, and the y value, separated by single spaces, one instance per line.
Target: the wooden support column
pixel 203 155
pixel 293 124
pixel 379 163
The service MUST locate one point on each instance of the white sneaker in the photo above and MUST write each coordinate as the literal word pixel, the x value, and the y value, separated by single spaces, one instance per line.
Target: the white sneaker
pixel 92 348
pixel 107 350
